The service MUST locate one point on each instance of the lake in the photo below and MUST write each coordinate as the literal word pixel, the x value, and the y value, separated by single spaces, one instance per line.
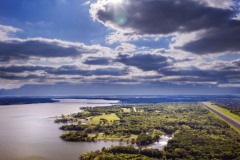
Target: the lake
pixel 27 132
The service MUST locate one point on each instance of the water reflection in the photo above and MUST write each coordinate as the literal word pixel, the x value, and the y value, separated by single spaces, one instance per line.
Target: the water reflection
pixel 27 132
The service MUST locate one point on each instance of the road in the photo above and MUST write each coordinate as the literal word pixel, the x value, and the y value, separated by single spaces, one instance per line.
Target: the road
pixel 226 118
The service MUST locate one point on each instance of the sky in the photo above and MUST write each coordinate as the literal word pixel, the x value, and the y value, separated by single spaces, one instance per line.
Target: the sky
pixel 119 47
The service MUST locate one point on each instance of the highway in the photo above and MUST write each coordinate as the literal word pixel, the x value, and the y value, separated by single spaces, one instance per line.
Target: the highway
pixel 226 118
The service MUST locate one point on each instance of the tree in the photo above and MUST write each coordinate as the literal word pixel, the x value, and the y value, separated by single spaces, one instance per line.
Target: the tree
pixel 144 139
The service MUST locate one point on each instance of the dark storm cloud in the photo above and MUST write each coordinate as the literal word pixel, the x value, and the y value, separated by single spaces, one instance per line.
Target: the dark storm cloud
pixel 163 16
pixel 146 62
pixel 11 71
pixel 98 61
pixel 67 70
pixel 221 74
pixel 222 39
pixel 23 49
pixel 18 77
pixel 237 63
pixel 20 69
pixel 74 70
pixel 147 17
pixel 148 77
pixel 110 71
pixel 230 66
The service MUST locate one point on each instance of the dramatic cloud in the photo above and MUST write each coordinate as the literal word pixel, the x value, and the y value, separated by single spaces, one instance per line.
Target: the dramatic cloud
pixel 20 77
pixel 166 17
pixel 218 72
pixel 40 47
pixel 159 16
pixel 6 31
pixel 153 44
pixel 212 75
pixel 98 61
pixel 146 62
pixel 63 70
pixel 226 4
pixel 222 39
pixel 20 69
pixel 74 70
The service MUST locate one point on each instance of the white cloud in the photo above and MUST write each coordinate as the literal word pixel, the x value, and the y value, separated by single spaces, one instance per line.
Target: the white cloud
pixel 87 3
pixel 6 31
pixel 125 48
pixel 181 39
pixel 225 4
pixel 7 84
pixel 177 66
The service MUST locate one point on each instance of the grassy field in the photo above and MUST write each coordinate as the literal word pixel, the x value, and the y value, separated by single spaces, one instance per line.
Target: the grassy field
pixel 140 110
pixel 226 112
pixel 101 136
pixel 223 111
pixel 109 117
pixel 128 110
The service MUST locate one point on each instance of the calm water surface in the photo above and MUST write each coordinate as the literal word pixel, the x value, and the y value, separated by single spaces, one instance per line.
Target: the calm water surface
pixel 27 132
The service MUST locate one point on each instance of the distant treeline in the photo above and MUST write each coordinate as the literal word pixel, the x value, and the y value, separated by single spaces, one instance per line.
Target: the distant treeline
pixel 153 99
pixel 24 100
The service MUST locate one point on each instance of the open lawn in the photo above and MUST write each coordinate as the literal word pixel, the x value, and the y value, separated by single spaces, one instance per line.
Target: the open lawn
pixel 102 136
pixel 109 117
pixel 128 110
